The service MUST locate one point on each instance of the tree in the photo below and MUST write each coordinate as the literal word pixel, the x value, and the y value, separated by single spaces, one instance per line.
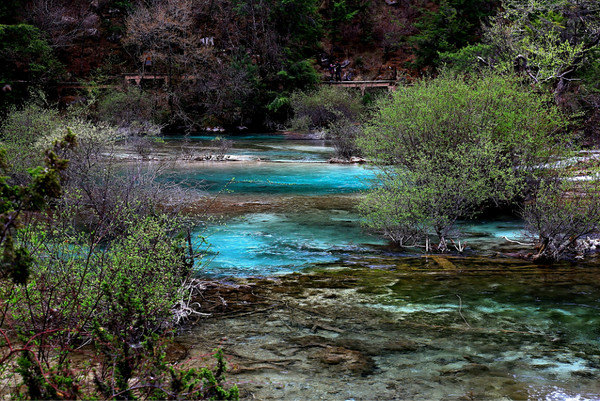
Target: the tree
pixel 165 31
pixel 447 148
pixel 204 86
pixel 64 22
pixel 451 26
pixel 553 44
pixel 25 56
pixel 549 41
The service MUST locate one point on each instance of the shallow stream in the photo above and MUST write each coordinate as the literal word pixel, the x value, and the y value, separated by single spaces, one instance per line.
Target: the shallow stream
pixel 342 316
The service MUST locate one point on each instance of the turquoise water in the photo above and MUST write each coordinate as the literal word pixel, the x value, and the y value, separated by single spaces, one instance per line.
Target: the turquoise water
pixel 304 227
pixel 258 244
pixel 464 328
pixel 287 213
pixel 272 178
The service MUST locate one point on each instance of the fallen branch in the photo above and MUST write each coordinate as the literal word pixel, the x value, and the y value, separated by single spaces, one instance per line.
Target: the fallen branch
pixel 517 242
pixel 460 310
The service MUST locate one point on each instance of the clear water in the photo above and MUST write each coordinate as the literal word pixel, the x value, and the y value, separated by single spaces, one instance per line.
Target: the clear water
pixel 254 146
pixel 288 214
pixel 409 327
pixel 274 178
pixel 485 330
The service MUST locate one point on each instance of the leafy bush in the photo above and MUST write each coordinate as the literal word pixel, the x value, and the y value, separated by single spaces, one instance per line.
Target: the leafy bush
pixel 83 281
pixel 448 147
pixel 24 127
pixel 324 106
pixel 133 110
pixel 437 114
pixel 117 294
pixel 470 58
pixel 343 134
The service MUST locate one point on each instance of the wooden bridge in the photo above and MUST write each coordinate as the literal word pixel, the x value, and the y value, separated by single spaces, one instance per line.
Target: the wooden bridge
pixel 137 78
pixel 363 85
pixel 65 89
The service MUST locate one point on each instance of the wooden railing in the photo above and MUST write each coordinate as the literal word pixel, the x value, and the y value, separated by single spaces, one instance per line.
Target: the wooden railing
pixel 363 85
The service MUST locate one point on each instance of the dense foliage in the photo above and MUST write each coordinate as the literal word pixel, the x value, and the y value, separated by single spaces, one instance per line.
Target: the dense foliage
pixel 451 146
pixel 96 261
pixel 452 25
pixel 27 62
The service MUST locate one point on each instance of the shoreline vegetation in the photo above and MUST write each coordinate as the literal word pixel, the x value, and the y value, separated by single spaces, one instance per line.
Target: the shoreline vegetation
pixel 475 109
pixel 93 160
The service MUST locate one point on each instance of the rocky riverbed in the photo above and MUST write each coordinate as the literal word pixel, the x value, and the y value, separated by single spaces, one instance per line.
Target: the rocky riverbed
pixel 421 328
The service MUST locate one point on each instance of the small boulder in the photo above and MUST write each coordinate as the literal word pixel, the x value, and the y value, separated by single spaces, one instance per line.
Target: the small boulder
pixel 346 359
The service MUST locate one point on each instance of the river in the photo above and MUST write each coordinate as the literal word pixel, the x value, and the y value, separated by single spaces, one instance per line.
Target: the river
pixel 342 316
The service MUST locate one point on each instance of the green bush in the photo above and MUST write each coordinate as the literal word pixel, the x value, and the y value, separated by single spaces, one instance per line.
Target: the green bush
pixel 133 109
pixel 320 108
pixel 21 129
pixel 87 282
pixel 30 129
pixel 435 115
pixel 449 147
pixel 343 133
pixel 468 59
pixel 122 296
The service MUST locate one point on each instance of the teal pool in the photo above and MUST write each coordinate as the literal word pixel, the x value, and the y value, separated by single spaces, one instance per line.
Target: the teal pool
pixel 274 178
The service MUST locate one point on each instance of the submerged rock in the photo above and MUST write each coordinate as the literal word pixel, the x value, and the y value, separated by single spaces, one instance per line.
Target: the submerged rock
pixel 346 359
pixel 400 346
pixel 472 369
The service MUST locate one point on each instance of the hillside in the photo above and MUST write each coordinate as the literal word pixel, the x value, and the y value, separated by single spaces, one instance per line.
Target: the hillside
pixel 249 47
pixel 230 63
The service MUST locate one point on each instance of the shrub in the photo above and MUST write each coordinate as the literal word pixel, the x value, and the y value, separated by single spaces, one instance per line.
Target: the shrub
pixel 103 267
pixel 118 295
pixel 320 108
pixel 448 147
pixel 132 110
pixel 561 214
pixel 343 134
pixel 80 280
pixel 22 128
